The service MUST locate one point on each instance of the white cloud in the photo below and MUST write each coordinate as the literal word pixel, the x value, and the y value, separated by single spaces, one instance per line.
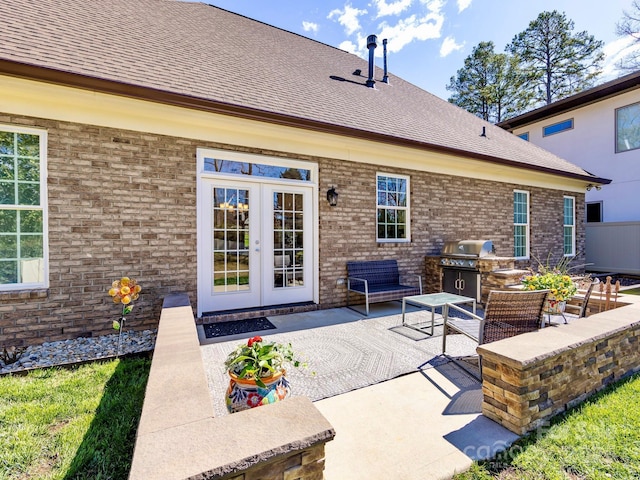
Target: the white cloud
pixel 614 52
pixel 463 5
pixel 392 8
pixel 310 26
pixel 410 29
pixel 348 18
pixel 434 6
pixel 349 46
pixel 421 26
pixel 449 45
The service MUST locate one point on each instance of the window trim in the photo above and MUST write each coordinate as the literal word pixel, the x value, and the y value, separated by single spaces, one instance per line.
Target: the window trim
pixel 615 138
pixel 407 209
pixel 544 129
pixel 572 226
pixel 527 226
pixel 44 206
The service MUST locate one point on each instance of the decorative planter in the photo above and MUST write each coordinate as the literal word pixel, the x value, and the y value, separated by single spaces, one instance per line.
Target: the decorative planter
pixel 553 306
pixel 244 394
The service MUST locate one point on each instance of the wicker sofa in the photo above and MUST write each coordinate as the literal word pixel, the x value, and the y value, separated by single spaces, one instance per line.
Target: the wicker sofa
pixel 378 281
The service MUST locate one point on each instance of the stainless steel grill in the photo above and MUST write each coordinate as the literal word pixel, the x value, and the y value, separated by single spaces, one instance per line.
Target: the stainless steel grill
pixel 465 253
pixel 459 261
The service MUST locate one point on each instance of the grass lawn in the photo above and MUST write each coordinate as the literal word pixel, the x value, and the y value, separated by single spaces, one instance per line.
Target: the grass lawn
pixel 71 423
pixel 599 439
pixel 631 291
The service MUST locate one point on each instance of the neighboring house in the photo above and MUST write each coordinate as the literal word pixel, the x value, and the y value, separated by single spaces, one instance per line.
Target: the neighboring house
pixel 599 130
pixel 193 149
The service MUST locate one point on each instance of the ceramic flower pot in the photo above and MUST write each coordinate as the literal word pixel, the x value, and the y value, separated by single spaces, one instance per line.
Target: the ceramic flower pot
pixel 553 306
pixel 244 393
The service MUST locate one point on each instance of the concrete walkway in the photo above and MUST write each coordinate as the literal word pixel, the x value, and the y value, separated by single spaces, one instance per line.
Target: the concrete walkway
pixel 423 425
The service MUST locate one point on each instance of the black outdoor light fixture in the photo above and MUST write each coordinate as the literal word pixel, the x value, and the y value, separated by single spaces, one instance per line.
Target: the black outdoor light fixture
pixel 332 196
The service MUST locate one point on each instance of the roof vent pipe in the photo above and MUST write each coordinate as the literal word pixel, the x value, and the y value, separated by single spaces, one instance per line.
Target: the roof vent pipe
pixel 371 45
pixel 385 78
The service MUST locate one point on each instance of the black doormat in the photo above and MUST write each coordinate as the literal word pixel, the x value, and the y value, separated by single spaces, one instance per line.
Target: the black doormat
pixel 234 327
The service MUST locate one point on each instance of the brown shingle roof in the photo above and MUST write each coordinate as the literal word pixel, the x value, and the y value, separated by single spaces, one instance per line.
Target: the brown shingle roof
pixel 198 54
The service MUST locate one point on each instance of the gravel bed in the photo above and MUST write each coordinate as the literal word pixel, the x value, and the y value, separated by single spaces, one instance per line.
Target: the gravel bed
pixel 81 349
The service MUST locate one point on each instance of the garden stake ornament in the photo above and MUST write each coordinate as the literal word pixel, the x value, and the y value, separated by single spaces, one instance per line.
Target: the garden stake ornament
pixel 124 291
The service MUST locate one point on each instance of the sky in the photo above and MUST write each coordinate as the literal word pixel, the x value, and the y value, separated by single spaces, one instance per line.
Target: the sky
pixel 428 40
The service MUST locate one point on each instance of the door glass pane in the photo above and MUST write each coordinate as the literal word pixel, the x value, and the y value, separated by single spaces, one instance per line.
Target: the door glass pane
pixel 252 169
pixel 288 253
pixel 230 240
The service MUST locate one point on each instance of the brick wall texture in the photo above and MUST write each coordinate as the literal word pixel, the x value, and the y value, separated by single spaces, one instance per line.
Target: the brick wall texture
pixel 124 203
pixel 523 397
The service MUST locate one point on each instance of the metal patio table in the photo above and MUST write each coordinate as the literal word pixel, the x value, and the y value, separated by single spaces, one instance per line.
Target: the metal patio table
pixel 433 301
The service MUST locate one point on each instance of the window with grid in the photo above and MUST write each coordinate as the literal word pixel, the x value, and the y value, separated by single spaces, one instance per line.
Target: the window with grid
pixel 23 242
pixel 569 226
pixel 520 224
pixel 392 208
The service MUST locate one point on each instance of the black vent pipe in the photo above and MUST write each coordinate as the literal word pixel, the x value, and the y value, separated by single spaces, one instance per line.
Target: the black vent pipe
pixel 371 45
pixel 385 78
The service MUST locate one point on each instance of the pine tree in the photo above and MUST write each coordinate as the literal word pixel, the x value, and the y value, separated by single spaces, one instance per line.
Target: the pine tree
pixel 557 62
pixel 489 85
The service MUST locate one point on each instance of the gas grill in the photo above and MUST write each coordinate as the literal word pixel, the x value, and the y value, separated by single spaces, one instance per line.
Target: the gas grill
pixel 459 261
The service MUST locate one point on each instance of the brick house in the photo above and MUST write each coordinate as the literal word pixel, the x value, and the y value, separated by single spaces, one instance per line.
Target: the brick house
pixel 193 149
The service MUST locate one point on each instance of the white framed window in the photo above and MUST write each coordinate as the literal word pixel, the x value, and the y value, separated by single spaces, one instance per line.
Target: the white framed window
pixel 569 226
pixel 521 224
pixel 628 128
pixel 392 211
pixel 23 209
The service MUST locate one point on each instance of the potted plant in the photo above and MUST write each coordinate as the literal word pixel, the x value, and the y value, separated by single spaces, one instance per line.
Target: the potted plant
pixel 554 278
pixel 257 373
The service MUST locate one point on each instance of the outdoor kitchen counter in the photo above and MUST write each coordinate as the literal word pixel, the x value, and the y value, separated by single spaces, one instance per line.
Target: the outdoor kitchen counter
pixel 485 266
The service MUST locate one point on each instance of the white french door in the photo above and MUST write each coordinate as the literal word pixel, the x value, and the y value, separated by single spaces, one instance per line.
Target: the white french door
pixel 256 244
pixel 287 244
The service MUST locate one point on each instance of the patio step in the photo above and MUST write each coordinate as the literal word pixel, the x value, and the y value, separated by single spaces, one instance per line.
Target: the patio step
pixel 246 313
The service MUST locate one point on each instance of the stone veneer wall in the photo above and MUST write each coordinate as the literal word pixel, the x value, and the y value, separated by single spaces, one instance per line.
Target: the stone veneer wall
pixel 529 378
pixel 179 438
pixel 124 203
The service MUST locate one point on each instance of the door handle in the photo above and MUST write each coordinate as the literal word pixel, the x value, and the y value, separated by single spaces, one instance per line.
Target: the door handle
pixel 461 284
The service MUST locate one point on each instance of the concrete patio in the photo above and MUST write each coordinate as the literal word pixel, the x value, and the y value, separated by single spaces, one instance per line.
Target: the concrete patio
pixel 422 423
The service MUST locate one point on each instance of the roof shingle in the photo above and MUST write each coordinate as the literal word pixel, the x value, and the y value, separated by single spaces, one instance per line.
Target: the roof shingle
pixel 204 52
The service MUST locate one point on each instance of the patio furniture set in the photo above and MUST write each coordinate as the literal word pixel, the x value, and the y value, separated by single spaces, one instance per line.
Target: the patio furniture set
pixel 506 313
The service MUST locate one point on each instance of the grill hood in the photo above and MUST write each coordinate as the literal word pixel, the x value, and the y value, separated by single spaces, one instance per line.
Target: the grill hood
pixel 468 248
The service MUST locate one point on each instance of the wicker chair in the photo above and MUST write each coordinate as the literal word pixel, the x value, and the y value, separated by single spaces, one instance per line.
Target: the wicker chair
pixel 507 314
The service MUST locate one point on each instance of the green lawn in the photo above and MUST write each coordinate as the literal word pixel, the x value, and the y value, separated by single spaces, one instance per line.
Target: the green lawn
pixel 71 424
pixel 631 291
pixel 81 423
pixel 600 439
